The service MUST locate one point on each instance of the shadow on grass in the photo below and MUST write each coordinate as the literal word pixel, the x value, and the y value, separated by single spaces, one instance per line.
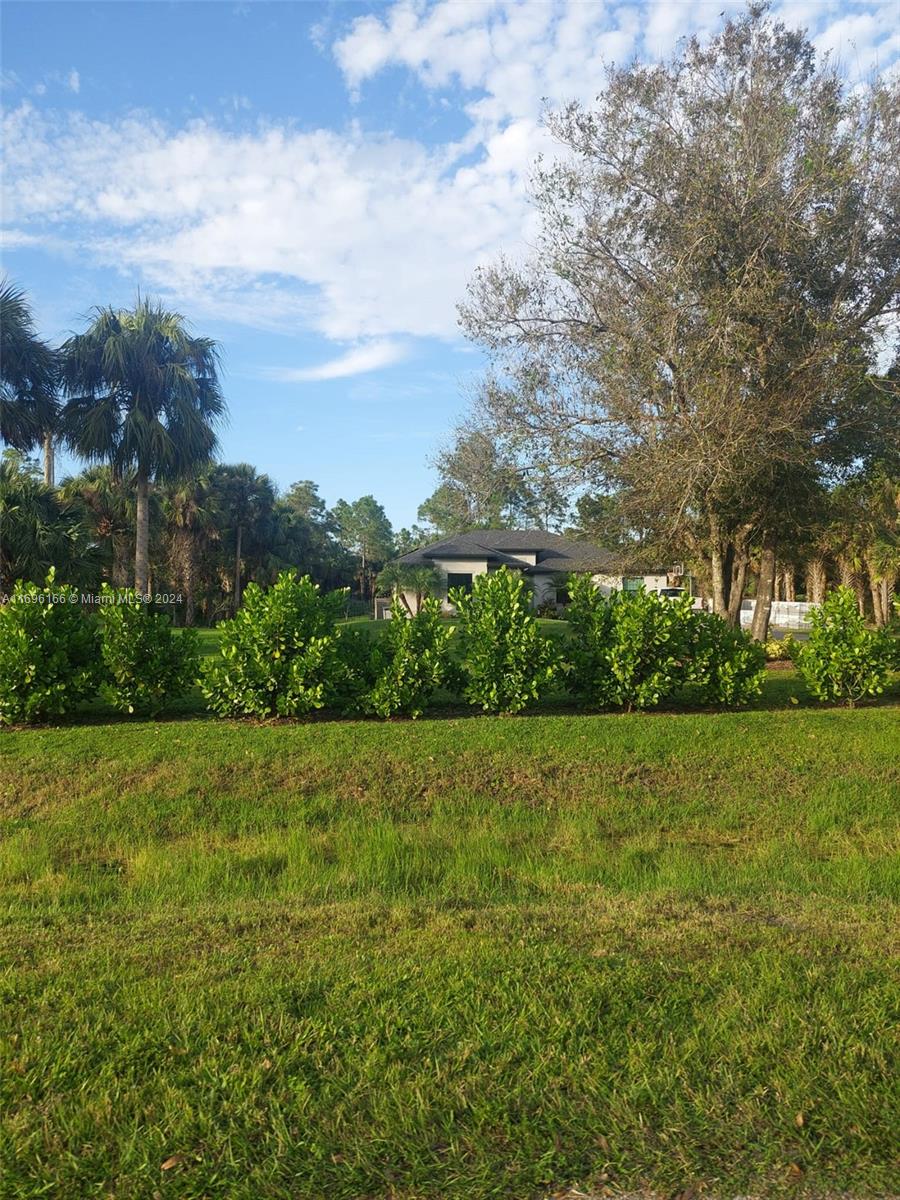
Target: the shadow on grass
pixel 783 691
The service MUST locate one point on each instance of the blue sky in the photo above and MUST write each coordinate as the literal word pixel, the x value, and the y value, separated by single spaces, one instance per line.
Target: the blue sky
pixel 313 184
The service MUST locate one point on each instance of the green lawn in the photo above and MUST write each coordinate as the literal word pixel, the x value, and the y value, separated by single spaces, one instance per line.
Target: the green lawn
pixel 452 959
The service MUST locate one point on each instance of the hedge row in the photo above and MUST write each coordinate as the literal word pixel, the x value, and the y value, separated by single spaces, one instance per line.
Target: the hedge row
pixel 54 653
pixel 286 653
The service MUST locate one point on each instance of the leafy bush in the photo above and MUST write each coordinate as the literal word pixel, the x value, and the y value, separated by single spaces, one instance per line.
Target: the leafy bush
pixel 410 662
pixel 842 660
pixel 726 666
pixel 505 660
pixel 780 649
pixel 548 610
pixel 49 652
pixel 588 649
pixel 280 654
pixel 637 649
pixel 630 649
pixel 148 665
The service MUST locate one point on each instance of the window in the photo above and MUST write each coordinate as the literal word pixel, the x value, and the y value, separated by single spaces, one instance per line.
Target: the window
pixel 459 581
pixel 562 595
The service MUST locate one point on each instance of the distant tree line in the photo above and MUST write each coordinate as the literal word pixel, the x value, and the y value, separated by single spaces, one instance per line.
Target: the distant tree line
pixel 138 399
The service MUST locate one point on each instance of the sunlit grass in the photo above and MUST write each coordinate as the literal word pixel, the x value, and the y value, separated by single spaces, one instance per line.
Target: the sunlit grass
pixel 456 958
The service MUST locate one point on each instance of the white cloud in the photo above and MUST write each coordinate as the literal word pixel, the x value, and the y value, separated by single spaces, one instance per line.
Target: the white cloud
pixel 370 357
pixel 362 237
pixel 353 236
pixel 14 239
pixel 73 81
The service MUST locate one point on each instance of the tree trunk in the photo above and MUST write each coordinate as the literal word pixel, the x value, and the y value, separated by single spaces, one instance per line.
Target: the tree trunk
pixel 790 583
pixel 816 579
pixel 119 561
pixel 727 573
pixel 717 570
pixel 887 596
pixel 765 589
pixel 237 568
pixel 189 582
pixel 881 618
pixel 860 588
pixel 738 587
pixel 142 536
pixel 850 577
pixel 49 460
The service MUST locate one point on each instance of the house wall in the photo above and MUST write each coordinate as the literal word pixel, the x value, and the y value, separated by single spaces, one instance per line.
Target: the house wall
pixel 456 566
pixel 543 586
pixel 529 557
pixel 608 583
pixel 654 582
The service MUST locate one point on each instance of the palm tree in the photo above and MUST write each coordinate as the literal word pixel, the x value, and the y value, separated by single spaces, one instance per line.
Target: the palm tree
pixel 246 500
pixel 29 410
pixel 190 512
pixel 143 395
pixel 398 579
pixel 41 529
pixel 110 513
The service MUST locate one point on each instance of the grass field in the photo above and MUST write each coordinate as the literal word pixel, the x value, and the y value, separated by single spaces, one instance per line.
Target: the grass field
pixel 457 958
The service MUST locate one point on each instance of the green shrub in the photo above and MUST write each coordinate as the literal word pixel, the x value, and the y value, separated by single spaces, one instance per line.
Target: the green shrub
pixel 780 649
pixel 147 665
pixel 726 666
pixel 842 660
pixel 631 649
pixel 49 652
pixel 410 662
pixel 590 616
pixel 280 654
pixel 505 660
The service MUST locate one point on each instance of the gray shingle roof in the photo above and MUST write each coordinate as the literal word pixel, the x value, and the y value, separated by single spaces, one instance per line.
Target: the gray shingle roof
pixel 554 552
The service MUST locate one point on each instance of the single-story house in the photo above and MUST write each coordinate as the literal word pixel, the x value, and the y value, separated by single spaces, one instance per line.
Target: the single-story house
pixel 543 558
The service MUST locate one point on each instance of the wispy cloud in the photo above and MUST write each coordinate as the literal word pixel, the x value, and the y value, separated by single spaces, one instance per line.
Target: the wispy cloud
pixel 14 239
pixel 372 356
pixel 367 238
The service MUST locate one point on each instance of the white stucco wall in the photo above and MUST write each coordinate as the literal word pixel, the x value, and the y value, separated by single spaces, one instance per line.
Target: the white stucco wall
pixel 523 556
pixel 457 566
pixel 461 566
pixel 608 583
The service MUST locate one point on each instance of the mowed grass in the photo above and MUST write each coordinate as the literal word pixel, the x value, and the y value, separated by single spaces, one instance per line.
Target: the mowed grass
pixel 456 958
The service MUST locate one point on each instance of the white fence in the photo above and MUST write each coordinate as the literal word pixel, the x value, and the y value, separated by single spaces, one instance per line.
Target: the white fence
pixel 785 614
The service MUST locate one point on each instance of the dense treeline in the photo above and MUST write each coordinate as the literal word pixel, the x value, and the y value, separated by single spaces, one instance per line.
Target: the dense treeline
pixel 138 399
pixel 208 535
